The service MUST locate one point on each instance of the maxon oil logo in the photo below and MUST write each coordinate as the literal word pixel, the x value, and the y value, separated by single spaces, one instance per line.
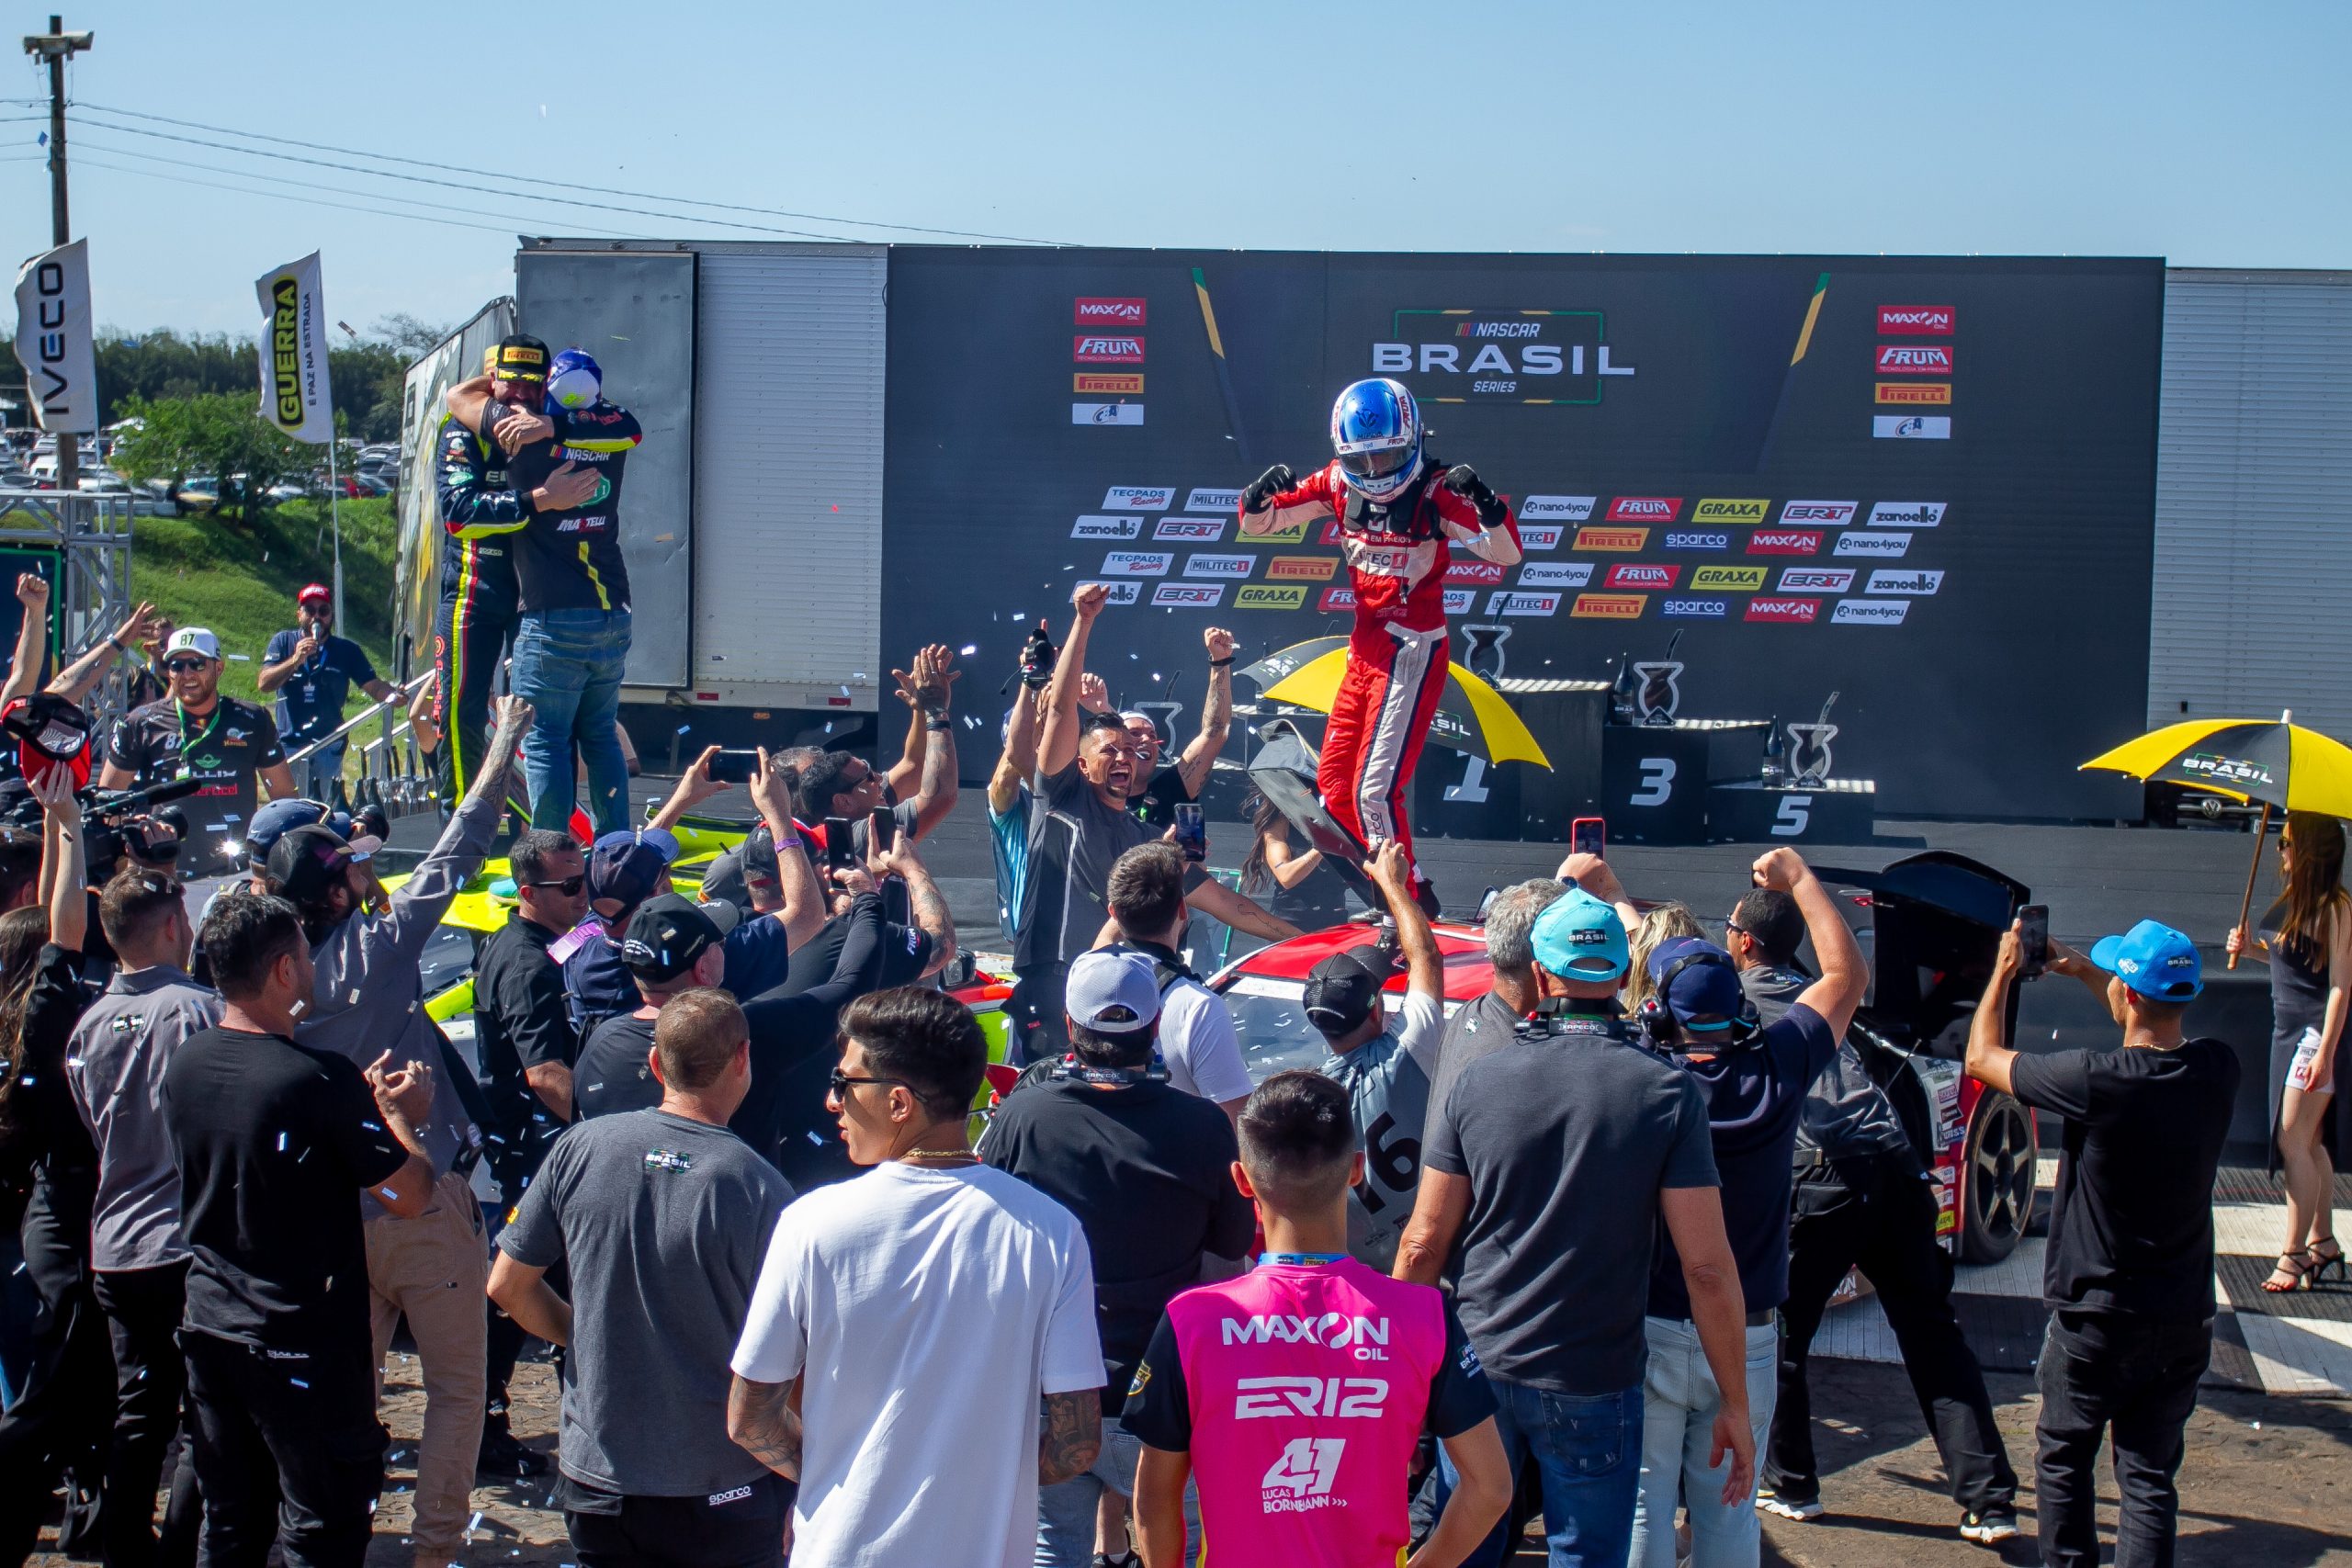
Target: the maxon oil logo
pixel 1821 514
pixel 1092 349
pixel 1915 321
pixel 1609 606
pixel 1193 595
pixel 1483 574
pixel 1219 566
pixel 1557 509
pixel 1137 563
pixel 1201 529
pixel 1815 580
pixel 1138 497
pixel 1498 355
pixel 1116 383
pixel 1260 597
pixel 1727 579
pixel 1641 575
pixel 1802 611
pixel 1556 575
pixel 1913 394
pixel 1907 513
pixel 1915 359
pixel 1643 509
pixel 1785 542
pixel 1516 603
pixel 1681 540
pixel 1107 528
pixel 1109 313
pixel 1734 512
pixel 1302 569
pixel 1612 539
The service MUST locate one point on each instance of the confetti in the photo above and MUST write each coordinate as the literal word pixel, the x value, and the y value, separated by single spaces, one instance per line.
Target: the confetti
pixel 281 1143
pixel 298 1382
pixel 969 649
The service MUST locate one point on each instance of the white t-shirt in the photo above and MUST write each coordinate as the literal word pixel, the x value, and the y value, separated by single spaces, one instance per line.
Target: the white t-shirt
pixel 1197 1042
pixel 930 1308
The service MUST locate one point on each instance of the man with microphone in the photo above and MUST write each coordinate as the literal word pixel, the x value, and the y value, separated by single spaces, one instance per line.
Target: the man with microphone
pixel 311 671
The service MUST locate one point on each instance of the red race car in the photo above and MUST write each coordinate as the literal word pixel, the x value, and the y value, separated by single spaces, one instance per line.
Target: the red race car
pixel 1931 924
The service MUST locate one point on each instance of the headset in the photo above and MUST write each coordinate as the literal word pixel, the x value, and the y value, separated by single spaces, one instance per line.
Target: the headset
pixel 1663 1033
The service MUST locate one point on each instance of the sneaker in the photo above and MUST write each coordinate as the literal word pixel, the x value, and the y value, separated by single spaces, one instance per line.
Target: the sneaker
pixel 1990 1528
pixel 504 1455
pixel 1123 1560
pixel 1787 1506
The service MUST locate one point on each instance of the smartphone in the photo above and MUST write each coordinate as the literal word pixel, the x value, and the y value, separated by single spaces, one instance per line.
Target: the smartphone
pixel 2033 931
pixel 734 767
pixel 1588 836
pixel 1191 832
pixel 882 829
pixel 839 854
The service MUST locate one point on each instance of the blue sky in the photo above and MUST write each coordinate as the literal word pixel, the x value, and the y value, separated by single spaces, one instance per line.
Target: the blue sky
pixel 2209 135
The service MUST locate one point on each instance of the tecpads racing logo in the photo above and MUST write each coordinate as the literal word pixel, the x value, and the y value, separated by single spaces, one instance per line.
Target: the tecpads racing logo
pixel 1506 355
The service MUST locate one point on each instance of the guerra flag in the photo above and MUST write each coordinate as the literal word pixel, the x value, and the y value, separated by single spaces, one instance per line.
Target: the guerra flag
pixel 295 396
pixel 54 339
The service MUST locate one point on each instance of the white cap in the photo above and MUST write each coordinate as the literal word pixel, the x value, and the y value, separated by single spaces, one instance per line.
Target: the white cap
pixel 193 639
pixel 1112 993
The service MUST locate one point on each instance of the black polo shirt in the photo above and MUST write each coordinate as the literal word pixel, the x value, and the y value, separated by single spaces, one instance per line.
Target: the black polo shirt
pixel 521 1021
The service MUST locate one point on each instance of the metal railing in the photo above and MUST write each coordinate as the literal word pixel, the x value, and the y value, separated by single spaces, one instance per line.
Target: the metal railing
pixel 91 533
pixel 390 766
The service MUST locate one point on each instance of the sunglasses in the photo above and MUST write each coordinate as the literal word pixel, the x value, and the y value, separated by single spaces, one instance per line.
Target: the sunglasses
pixel 840 1083
pixel 568 886
pixel 185 666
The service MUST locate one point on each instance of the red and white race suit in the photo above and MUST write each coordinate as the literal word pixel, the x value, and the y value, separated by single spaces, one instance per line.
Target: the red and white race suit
pixel 1397 559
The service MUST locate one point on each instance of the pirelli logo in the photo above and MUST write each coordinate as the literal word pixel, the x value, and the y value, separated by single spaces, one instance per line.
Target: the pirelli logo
pixel 1612 539
pixel 1262 597
pixel 1609 606
pixel 1302 569
pixel 1101 382
pixel 1728 579
pixel 1720 511
pixel 1898 392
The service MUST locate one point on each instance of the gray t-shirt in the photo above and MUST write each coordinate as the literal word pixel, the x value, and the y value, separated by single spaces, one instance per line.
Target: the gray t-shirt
pixel 1846 1114
pixel 114 1064
pixel 663 1221
pixel 1567 1141
pixel 1478 1028
pixel 1074 840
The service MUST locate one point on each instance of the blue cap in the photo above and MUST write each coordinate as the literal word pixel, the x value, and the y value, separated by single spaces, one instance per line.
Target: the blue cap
pixel 273 821
pixel 1577 937
pixel 1708 988
pixel 625 866
pixel 2154 960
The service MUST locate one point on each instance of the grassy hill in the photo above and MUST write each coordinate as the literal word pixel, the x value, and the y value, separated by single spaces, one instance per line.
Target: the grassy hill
pixel 239 576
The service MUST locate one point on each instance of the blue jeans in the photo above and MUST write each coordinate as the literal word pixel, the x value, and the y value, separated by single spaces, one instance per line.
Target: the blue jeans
pixel 1065 1509
pixel 1679 1398
pixel 1588 1449
pixel 568 666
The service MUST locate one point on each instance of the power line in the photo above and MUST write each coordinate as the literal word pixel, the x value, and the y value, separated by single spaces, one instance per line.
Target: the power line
pixel 569 185
pixel 301 201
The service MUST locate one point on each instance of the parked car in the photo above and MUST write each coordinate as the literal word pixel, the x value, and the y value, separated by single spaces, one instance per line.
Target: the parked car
pixel 104 481
pixel 198 492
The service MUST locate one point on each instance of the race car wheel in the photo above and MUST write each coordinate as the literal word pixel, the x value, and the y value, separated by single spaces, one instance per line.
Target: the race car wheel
pixel 1998 1167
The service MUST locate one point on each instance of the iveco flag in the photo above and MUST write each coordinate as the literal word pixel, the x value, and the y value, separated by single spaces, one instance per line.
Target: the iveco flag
pixel 54 339
pixel 294 392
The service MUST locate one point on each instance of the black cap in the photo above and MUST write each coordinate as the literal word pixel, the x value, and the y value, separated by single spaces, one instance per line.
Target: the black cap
pixel 1341 992
pixel 307 861
pixel 670 931
pixel 519 358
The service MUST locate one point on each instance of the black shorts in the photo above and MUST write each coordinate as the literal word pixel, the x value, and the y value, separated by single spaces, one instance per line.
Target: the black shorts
pixel 738 1527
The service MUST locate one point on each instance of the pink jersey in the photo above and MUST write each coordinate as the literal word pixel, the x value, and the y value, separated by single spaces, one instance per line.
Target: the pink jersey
pixel 1307 1387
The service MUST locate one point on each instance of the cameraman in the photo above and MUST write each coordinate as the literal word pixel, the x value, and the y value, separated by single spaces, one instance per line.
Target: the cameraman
pixel 197 733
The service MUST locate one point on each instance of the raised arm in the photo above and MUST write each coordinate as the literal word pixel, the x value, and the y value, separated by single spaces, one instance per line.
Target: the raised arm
pixel 61 872
pixel 421 901
pixel 1216 901
pixel 804 899
pixel 1018 758
pixel 1216 714
pixel 925 907
pixel 932 700
pixel 1424 965
pixel 273 676
pixel 694 786
pixel 1989 1056
pixel 1058 745
pixel 1845 973
pixel 1475 517
pixel 33 637
pixel 77 680
pixel 1597 877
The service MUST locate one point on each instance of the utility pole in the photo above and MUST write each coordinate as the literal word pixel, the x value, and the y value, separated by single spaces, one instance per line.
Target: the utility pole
pixel 57 46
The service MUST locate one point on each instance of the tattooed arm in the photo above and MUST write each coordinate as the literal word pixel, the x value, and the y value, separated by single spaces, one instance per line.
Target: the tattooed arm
pixel 764 1420
pixel 1067 1438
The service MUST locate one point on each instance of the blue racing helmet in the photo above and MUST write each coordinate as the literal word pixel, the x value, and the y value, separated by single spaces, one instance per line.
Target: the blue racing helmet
pixel 1377 434
pixel 574 381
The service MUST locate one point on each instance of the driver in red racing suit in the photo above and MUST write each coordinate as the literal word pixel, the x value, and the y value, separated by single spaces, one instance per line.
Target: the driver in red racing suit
pixel 1400 517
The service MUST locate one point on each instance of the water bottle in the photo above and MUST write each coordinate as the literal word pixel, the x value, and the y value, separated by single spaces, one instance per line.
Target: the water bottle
pixel 1776 755
pixel 1621 690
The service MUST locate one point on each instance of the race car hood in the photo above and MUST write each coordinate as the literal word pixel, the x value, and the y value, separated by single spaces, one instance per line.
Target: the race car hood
pixel 1932 924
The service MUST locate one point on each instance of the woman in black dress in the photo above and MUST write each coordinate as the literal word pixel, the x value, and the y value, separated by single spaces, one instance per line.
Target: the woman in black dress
pixel 2309 949
pixel 1307 892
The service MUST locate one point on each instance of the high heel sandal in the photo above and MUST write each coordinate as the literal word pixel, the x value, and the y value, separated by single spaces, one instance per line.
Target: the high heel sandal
pixel 2297 1273
pixel 2323 1264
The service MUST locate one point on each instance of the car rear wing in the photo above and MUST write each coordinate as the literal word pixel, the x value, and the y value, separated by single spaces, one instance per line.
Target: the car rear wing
pixel 1935 925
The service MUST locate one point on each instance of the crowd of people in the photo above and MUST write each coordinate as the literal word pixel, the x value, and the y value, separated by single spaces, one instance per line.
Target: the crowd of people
pixel 1561 1252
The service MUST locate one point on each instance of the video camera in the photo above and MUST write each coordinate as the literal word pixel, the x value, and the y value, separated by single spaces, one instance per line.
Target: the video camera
pixel 114 821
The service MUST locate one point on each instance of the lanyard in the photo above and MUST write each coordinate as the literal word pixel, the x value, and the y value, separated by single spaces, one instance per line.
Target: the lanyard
pixel 188 746
pixel 1297 1259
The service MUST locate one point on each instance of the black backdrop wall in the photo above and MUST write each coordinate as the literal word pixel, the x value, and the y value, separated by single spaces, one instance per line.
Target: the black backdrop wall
pixel 1926 483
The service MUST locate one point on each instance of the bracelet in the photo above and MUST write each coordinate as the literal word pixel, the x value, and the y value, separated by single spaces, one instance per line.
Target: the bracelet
pixel 1221 664
pixel 938 725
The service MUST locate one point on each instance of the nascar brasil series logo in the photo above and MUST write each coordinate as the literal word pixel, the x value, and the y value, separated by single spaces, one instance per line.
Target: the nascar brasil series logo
pixel 1499 354
pixel 2225 770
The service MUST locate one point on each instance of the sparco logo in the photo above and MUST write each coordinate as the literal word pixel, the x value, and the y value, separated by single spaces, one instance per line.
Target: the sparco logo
pixel 1212 501
pixel 1919 584
pixel 1906 513
pixel 1676 540
pixel 1109 313
pixel 1498 355
pixel 1609 606
pixel 1136 563
pixel 1856 542
pixel 1915 359
pixel 1303 568
pixel 1731 579
pixel 1815 580
pixel 1258 596
pixel 1200 596
pixel 1915 321
pixel 1871 612
pixel 1107 528
pixel 1642 576
pixel 1801 611
pixel 1089 348
pixel 1557 509
pixel 1540 536
pixel 1826 514
pixel 1612 539
pixel 1334 1331
pixel 1693 609
pixel 1138 497
pixel 1556 575
pixel 1336 599
pixel 1785 542
pixel 1523 603
pixel 1643 509
pixel 1188 528
pixel 1483 574
pixel 1218 566
pixel 1731 512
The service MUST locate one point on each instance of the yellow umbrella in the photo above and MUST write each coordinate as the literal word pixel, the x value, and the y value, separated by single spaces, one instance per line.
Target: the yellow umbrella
pixel 2276 761
pixel 1471 716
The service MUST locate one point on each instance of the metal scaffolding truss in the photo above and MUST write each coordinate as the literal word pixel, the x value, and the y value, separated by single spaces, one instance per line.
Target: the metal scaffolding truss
pixel 93 534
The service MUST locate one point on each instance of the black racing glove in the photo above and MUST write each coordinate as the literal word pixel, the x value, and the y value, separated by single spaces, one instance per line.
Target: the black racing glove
pixel 1463 480
pixel 1037 660
pixel 1266 485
